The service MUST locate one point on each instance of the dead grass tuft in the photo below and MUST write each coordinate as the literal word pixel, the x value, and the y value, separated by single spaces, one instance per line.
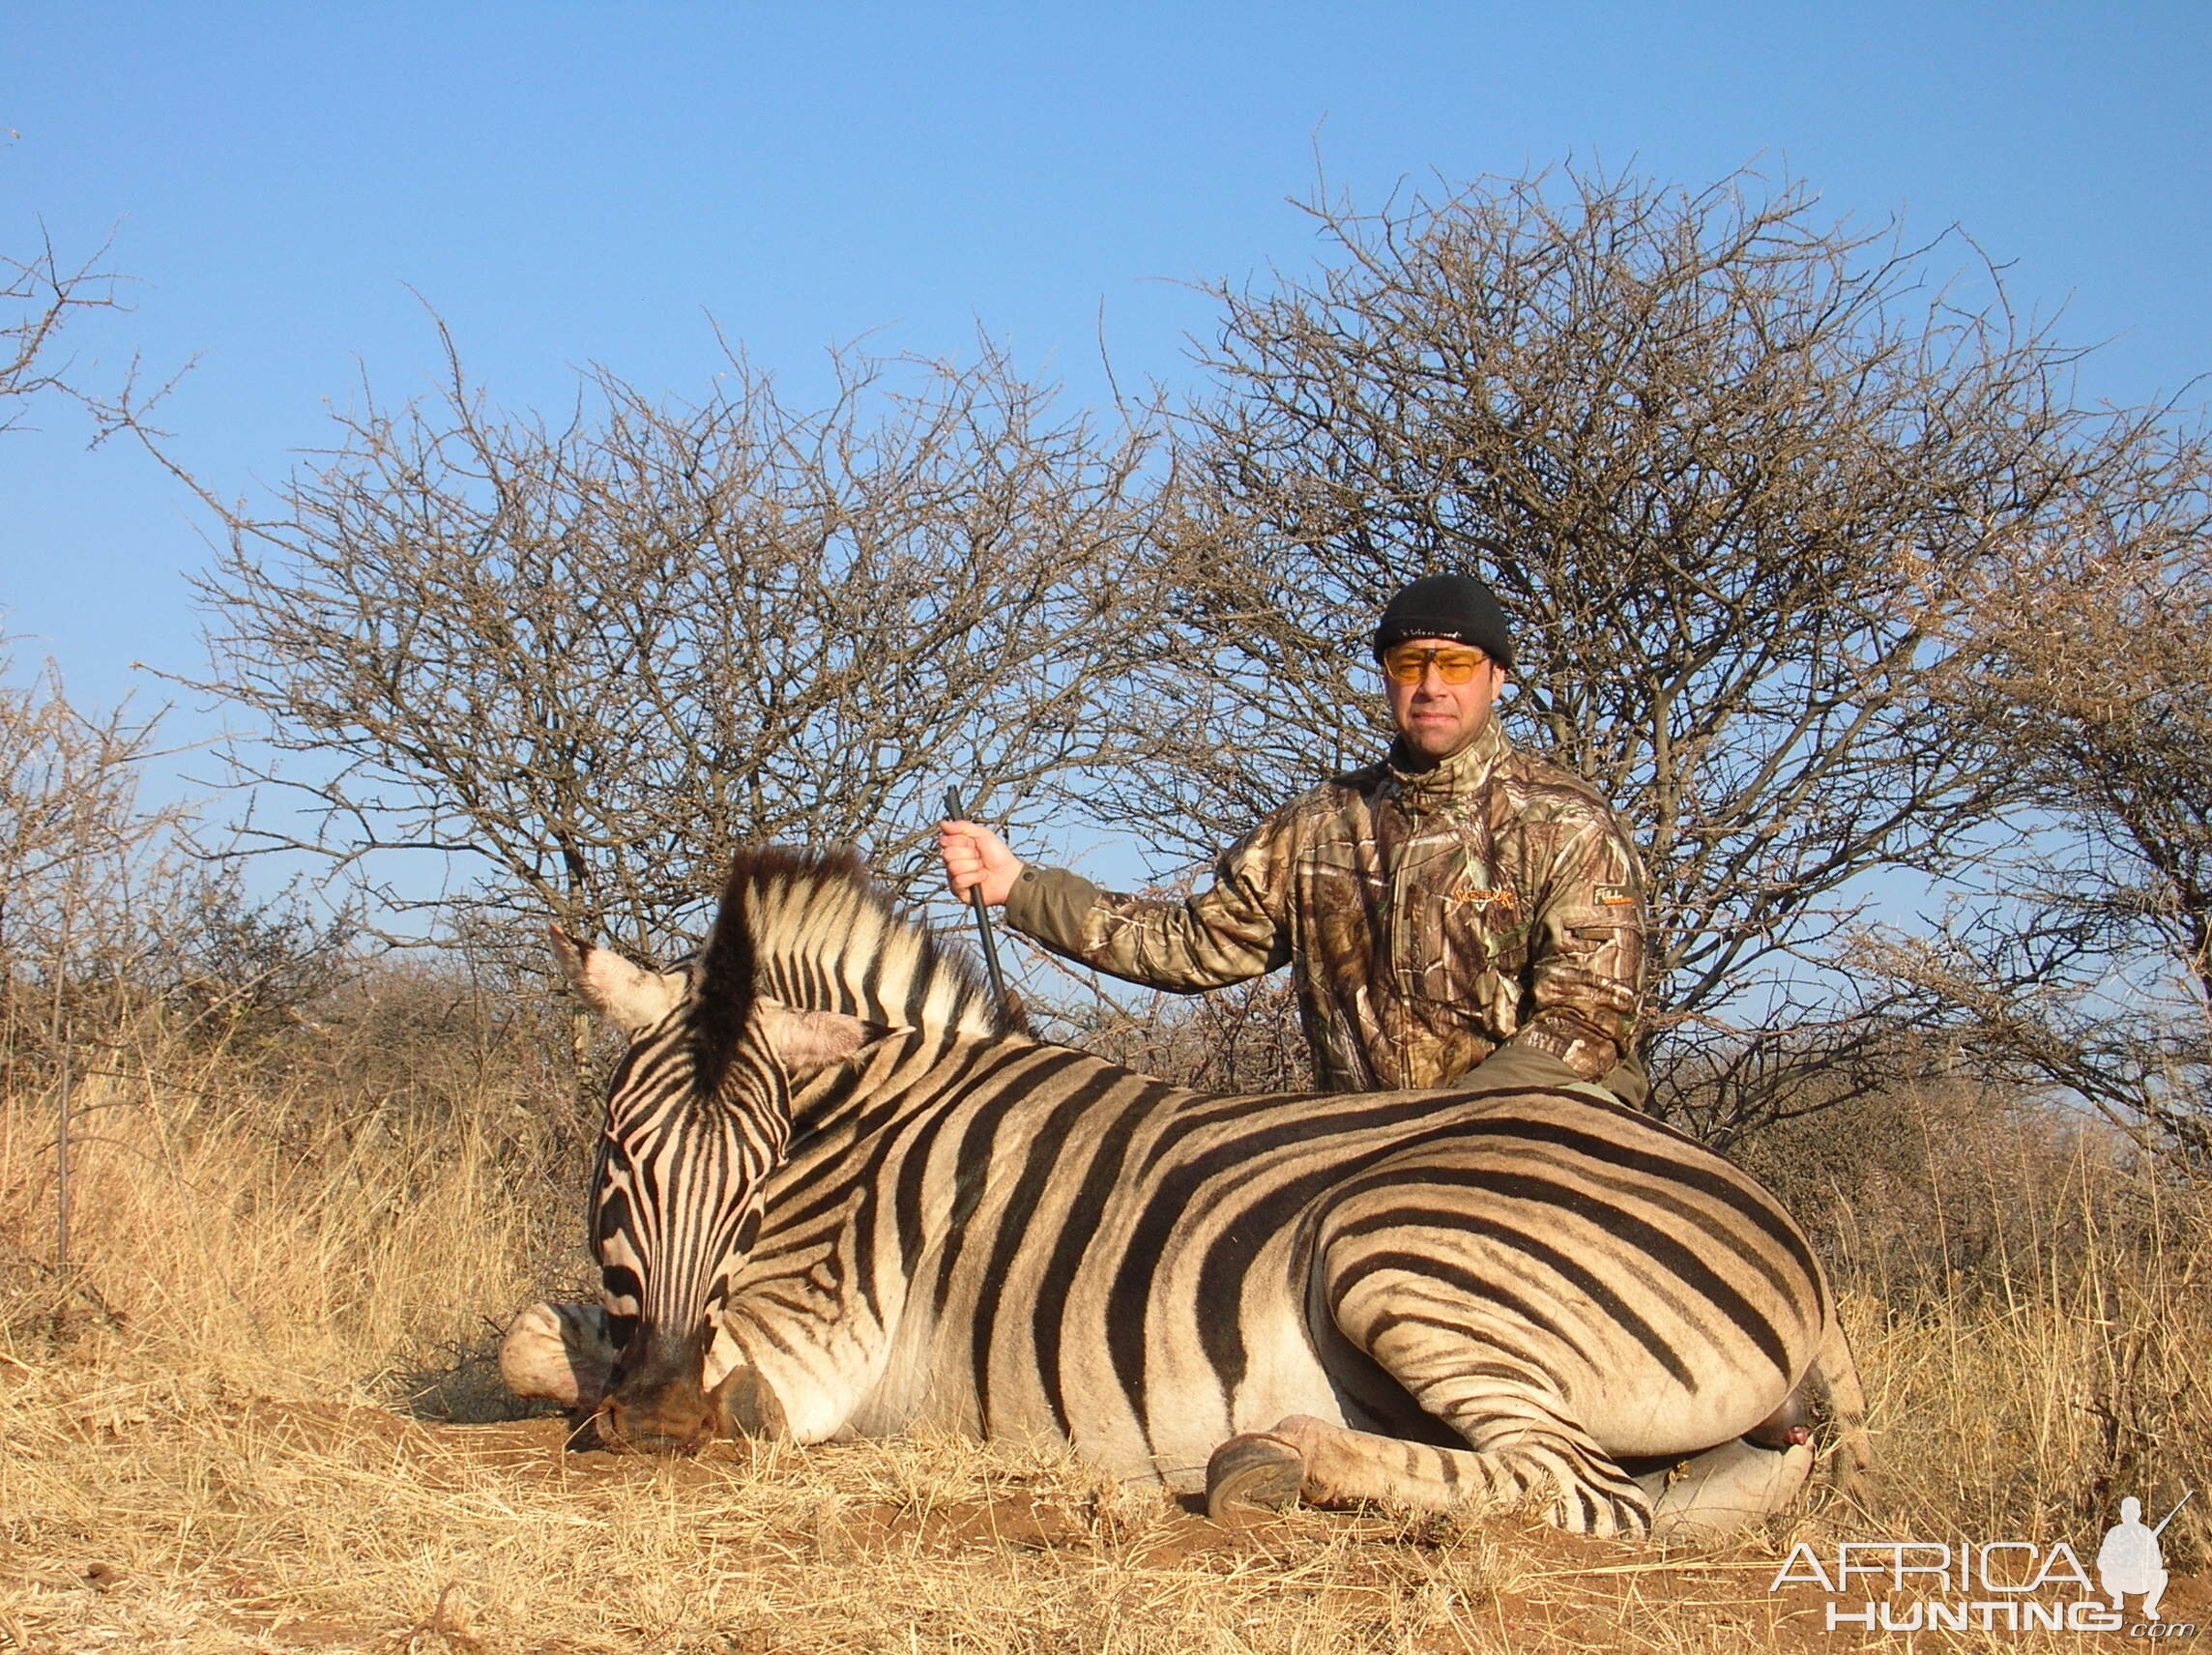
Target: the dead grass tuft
pixel 257 1414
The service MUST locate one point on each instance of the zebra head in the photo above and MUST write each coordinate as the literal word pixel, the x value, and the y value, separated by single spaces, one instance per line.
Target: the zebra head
pixel 698 1115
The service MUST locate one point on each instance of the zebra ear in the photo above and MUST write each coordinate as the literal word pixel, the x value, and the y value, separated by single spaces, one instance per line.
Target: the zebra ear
pixel 628 996
pixel 807 1042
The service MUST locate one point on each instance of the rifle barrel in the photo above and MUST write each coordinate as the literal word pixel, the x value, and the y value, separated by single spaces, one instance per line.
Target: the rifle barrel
pixel 2175 1513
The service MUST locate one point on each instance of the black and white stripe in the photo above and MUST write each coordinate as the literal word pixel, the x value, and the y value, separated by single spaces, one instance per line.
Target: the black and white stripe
pixel 838 1195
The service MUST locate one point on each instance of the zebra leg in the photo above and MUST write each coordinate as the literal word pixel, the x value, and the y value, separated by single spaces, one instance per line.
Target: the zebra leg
pixel 559 1352
pixel 1518 1452
pixel 1706 1498
pixel 1713 1495
pixel 1252 1473
pixel 1465 1366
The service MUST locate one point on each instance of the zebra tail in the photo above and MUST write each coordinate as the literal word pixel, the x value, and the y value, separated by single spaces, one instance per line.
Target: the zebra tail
pixel 1849 1473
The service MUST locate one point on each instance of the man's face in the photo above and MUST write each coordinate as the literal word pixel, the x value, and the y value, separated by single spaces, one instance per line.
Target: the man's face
pixel 1436 718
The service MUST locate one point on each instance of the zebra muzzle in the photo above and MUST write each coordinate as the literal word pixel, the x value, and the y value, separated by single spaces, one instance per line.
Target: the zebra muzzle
pixel 662 1426
pixel 657 1404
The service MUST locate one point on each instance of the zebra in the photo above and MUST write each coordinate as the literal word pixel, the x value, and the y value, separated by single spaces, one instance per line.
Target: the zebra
pixel 839 1194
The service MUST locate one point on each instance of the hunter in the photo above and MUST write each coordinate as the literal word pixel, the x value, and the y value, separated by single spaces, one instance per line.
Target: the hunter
pixel 1460 903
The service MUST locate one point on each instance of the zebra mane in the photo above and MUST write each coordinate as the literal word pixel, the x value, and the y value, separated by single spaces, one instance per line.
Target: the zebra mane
pixel 812 931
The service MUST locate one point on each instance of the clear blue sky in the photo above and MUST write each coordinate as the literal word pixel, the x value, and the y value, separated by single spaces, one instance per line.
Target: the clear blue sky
pixel 569 183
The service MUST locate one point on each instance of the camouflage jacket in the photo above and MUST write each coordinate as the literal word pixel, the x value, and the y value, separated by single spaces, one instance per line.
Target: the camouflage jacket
pixel 1431 917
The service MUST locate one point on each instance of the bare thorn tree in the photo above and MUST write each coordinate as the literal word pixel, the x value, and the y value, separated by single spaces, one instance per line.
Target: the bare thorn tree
pixel 81 863
pixel 2083 659
pixel 588 658
pixel 78 857
pixel 1702 443
pixel 37 298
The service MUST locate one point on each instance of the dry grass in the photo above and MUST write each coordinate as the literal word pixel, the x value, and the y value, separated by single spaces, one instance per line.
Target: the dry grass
pixel 258 1417
pixel 188 1517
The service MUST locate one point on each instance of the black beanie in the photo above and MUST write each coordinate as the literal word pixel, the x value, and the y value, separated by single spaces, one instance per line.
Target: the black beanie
pixel 1455 606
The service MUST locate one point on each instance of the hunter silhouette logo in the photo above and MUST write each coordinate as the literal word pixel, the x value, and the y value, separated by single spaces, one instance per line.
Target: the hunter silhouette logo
pixel 2130 1561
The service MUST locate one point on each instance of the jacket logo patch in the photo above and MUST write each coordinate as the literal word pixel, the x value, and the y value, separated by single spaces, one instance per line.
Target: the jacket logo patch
pixel 1615 896
pixel 1475 896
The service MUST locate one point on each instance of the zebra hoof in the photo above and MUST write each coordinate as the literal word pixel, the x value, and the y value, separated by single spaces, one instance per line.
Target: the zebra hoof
pixel 558 1354
pixel 1251 1475
pixel 1727 1489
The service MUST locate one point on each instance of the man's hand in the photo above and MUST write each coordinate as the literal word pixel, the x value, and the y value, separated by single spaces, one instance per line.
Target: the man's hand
pixel 976 858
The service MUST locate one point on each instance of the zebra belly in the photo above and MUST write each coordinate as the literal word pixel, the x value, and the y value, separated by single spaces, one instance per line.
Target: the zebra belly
pixel 1187 1410
pixel 996 1380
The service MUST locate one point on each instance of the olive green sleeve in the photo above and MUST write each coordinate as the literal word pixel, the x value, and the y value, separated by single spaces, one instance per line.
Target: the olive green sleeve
pixel 1047 905
pixel 1237 928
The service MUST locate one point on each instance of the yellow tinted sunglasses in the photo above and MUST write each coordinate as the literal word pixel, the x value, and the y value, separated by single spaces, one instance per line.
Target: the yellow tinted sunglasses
pixel 1408 663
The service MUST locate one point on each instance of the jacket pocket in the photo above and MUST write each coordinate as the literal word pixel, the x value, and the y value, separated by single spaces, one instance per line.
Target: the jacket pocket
pixel 1468 945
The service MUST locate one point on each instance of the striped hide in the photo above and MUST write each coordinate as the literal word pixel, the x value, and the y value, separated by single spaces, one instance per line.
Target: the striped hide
pixel 838 1195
